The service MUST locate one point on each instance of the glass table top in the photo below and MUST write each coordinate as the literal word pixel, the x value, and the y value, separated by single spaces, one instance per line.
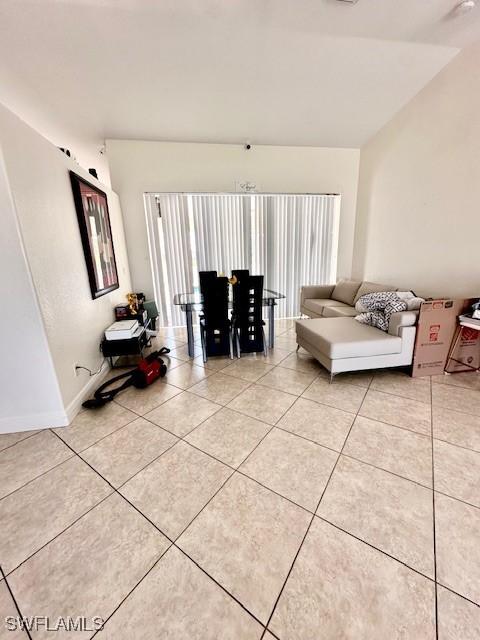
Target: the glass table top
pixel 196 298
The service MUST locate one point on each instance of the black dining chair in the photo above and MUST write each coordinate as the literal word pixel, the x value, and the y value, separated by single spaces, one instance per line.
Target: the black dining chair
pixel 215 325
pixel 205 277
pixel 247 321
pixel 240 275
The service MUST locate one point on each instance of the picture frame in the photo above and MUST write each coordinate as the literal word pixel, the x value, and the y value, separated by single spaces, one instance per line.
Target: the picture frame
pixel 91 205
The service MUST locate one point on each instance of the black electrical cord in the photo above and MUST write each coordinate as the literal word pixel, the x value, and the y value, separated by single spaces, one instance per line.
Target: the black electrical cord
pixel 90 372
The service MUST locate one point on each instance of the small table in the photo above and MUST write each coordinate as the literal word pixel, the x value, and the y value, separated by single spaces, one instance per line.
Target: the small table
pixel 190 302
pixel 133 346
pixel 470 323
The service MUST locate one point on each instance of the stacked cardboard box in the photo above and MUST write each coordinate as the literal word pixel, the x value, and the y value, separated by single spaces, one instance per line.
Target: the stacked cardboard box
pixel 437 323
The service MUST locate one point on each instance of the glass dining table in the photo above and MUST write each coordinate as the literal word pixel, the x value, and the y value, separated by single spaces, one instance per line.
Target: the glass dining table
pixel 193 302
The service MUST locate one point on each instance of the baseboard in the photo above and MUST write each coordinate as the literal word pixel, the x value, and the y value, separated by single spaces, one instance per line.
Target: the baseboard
pixel 53 419
pixel 33 421
pixel 76 404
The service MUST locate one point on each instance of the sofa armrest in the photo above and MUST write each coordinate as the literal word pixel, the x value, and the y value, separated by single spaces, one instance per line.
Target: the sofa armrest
pixel 401 319
pixel 316 291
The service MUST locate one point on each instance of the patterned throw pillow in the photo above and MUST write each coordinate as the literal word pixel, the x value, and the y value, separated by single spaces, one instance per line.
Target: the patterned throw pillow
pixel 379 307
pixel 374 319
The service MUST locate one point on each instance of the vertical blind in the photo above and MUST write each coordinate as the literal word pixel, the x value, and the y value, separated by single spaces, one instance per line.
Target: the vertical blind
pixel 222 232
pixel 291 239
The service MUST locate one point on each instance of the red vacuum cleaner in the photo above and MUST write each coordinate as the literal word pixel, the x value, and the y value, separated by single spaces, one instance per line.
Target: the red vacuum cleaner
pixel 147 371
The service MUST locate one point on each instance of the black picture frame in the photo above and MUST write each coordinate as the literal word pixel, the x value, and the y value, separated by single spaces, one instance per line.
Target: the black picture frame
pixel 91 205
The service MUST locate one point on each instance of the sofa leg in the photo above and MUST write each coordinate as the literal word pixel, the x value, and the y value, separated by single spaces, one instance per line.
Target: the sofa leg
pixel 332 375
pixel 298 347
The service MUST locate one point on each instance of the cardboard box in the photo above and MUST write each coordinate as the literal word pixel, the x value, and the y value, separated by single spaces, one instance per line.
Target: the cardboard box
pixel 465 350
pixel 437 322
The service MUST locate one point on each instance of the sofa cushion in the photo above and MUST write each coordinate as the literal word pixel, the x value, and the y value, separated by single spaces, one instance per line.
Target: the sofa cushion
pixel 343 312
pixel 346 338
pixel 372 287
pixel 317 306
pixel 345 291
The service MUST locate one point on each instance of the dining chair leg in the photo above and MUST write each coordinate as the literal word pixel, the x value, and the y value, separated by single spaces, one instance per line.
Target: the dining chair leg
pixel 237 341
pixel 264 343
pixel 202 339
pixel 230 340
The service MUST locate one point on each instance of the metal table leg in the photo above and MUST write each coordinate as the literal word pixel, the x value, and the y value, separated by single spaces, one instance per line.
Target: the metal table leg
pixel 191 344
pixel 271 324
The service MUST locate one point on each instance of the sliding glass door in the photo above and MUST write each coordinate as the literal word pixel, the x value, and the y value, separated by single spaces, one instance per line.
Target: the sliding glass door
pixel 291 239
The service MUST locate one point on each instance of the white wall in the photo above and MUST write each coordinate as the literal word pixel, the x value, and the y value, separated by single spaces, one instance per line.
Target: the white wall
pixel 46 113
pixel 29 392
pixel 418 219
pixel 137 167
pixel 74 323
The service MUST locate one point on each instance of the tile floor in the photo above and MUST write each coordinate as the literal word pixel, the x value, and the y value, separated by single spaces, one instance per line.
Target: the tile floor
pixel 248 500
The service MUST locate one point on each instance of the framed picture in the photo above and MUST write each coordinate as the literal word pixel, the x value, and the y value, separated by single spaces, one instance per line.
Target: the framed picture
pixel 94 220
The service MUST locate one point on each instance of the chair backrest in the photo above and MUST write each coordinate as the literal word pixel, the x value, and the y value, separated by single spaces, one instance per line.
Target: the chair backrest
pixel 241 275
pixel 215 301
pixel 248 301
pixel 205 277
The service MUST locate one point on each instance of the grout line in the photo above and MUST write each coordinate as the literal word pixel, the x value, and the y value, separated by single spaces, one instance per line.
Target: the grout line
pixel 455 386
pixel 388 424
pixel 151 461
pixel 131 591
pixel 348 455
pixel 433 514
pixel 299 435
pixel 264 386
pixel 54 430
pixel 245 475
pixel 262 624
pixel 172 541
pixel 392 473
pixel 447 495
pixel 312 519
pixel 60 532
pixel 454 444
pixel 463 413
pixel 325 404
pixel 477 604
pixel 276 425
pixel 398 395
pixel 35 433
pixel 37 477
pixel 14 601
pixel 122 496
pixel 372 546
pixel 235 470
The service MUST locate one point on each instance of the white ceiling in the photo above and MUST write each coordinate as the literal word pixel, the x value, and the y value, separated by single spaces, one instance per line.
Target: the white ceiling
pixel 306 72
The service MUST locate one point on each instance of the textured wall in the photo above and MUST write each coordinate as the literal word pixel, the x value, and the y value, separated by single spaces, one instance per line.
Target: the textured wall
pixel 40 184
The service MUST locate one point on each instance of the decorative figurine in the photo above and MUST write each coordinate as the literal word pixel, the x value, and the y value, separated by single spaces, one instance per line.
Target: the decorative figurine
pixel 132 300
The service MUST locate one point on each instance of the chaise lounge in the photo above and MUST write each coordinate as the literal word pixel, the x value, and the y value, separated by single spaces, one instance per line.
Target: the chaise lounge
pixel 339 342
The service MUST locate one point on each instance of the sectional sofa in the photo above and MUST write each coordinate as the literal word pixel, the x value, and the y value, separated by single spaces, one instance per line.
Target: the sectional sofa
pixel 339 342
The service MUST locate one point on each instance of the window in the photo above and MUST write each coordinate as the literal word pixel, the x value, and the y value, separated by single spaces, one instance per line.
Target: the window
pixel 291 239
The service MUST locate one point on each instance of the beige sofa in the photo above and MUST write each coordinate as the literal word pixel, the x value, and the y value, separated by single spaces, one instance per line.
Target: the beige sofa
pixel 339 342
pixel 332 301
